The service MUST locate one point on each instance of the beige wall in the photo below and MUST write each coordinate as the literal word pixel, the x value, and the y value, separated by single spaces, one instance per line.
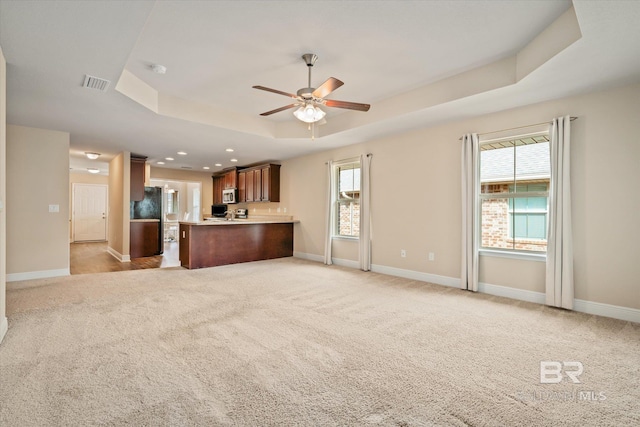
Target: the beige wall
pixel 3 194
pixel 37 177
pixel 119 210
pixel 415 179
pixel 87 178
pixel 180 175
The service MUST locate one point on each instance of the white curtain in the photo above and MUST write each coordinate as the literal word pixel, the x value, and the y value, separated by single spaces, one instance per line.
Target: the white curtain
pixel 328 213
pixel 559 271
pixel 470 221
pixel 365 212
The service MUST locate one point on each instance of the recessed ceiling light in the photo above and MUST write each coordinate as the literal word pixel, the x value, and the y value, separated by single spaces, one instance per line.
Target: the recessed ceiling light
pixel 160 163
pixel 234 160
pixel 229 150
pixel 91 155
pixel 168 158
pixel 93 170
pixel 206 167
pixel 218 164
pixel 182 153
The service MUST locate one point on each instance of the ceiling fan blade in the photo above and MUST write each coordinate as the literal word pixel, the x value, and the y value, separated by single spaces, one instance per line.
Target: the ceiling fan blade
pixel 290 95
pixel 327 87
pixel 277 110
pixel 347 105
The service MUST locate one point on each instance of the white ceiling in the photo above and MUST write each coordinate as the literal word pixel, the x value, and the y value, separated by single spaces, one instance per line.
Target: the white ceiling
pixel 388 53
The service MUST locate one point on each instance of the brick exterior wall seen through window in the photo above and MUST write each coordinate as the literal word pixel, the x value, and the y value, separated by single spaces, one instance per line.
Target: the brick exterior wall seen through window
pixel 495 224
pixel 347 227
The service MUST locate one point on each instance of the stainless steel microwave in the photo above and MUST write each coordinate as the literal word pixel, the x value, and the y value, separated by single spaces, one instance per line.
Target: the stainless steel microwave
pixel 229 195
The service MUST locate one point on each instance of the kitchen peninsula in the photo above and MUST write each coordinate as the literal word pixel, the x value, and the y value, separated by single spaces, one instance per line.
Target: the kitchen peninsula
pixel 216 242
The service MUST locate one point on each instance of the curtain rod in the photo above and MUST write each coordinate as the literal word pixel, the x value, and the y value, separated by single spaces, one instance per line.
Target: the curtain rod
pixel 519 127
pixel 368 155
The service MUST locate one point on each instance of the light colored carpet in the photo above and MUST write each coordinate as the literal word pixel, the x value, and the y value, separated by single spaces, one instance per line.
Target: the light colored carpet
pixel 291 342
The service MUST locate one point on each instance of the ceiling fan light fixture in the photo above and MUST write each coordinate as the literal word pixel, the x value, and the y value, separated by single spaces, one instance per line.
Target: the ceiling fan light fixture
pixel 309 113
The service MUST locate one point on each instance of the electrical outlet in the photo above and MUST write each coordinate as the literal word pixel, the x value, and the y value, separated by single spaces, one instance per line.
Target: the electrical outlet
pixel 54 208
pixel 403 253
pixel 432 256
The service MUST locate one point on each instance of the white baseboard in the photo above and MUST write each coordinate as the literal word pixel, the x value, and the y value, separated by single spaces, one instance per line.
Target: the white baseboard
pixel 346 263
pixel 416 275
pixel 29 275
pixel 589 307
pixel 582 306
pixel 513 293
pixel 319 258
pixel 607 310
pixel 4 327
pixel 309 257
pixel 117 255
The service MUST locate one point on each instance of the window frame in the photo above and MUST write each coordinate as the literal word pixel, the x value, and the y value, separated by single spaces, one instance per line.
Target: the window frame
pixel 510 252
pixel 337 200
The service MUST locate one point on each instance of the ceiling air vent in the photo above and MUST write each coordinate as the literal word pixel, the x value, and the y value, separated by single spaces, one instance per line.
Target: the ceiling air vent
pixel 186 167
pixel 96 83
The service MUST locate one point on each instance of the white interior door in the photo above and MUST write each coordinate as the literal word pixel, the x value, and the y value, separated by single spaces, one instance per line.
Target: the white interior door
pixel 89 218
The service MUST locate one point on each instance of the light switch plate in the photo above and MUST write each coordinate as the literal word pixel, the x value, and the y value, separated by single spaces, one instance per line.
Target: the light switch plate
pixel 54 208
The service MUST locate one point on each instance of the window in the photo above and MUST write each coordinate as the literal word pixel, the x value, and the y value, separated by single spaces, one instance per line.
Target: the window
pixel 172 201
pixel 528 215
pixel 514 180
pixel 347 199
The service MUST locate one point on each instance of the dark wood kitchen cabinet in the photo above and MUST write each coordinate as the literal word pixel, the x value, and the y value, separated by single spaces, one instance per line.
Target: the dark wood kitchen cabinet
pixel 242 187
pixel 218 186
pixel 136 178
pixel 222 181
pixel 270 183
pixel 260 183
pixel 249 185
pixel 144 238
pixel 255 184
pixel 205 245
pixel 230 179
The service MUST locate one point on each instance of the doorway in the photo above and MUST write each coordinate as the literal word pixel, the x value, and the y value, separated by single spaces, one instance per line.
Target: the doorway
pixel 181 200
pixel 89 212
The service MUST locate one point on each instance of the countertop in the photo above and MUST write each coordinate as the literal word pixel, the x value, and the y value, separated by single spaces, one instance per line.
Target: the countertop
pixel 145 220
pixel 271 219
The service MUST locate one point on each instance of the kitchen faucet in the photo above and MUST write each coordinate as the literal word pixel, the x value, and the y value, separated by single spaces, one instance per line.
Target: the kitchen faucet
pixel 232 214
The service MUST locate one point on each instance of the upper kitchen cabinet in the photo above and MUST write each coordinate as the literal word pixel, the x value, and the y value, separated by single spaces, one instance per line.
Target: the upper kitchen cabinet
pixel 223 181
pixel 259 184
pixel 270 183
pixel 230 179
pixel 137 178
pixel 242 187
pixel 245 185
pixel 218 186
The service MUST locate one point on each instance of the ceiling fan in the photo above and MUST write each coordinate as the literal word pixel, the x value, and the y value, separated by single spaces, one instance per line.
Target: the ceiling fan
pixel 308 99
